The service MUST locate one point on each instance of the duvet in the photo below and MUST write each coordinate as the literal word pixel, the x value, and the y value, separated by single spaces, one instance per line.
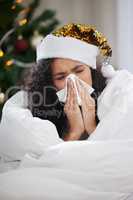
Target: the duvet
pixel 100 168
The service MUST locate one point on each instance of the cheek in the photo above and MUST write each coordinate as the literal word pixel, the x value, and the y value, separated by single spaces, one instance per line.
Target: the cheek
pixel 59 84
pixel 86 76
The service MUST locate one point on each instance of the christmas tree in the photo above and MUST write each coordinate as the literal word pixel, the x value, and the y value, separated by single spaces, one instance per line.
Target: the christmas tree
pixel 20 32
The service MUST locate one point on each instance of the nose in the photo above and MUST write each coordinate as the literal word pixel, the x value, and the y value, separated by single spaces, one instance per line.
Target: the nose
pixel 71 75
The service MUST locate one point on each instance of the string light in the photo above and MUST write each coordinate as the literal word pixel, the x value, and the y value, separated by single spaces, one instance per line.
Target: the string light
pixel 1 53
pixel 13 7
pixel 19 1
pixel 22 22
pixel 2 97
pixel 9 62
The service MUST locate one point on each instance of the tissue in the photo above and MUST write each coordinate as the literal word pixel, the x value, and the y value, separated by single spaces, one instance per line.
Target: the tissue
pixel 62 94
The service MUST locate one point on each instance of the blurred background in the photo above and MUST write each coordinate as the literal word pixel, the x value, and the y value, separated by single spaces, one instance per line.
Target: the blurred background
pixel 23 23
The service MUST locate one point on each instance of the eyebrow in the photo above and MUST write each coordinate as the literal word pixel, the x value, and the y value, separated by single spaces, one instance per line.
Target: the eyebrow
pixel 64 73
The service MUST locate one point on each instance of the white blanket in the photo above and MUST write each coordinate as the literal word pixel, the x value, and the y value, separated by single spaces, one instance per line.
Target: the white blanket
pixel 73 170
pixel 21 133
pixel 100 168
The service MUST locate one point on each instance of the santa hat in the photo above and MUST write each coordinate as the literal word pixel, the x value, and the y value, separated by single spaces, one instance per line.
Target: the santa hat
pixel 78 42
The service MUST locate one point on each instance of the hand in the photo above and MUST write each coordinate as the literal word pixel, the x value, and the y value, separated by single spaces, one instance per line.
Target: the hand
pixel 87 107
pixel 73 113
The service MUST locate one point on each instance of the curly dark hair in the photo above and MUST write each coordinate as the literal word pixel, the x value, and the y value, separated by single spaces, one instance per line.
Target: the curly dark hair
pixel 39 82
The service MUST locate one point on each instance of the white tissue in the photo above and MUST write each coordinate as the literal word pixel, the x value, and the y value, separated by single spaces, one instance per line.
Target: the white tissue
pixel 62 94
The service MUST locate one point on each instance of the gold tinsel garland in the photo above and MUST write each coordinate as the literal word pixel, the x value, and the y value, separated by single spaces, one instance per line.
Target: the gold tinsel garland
pixel 86 33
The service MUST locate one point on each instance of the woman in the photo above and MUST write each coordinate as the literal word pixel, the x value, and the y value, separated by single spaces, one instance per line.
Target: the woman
pixel 35 118
pixel 56 59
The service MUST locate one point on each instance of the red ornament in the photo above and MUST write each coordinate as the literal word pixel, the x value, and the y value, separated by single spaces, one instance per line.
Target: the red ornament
pixel 21 45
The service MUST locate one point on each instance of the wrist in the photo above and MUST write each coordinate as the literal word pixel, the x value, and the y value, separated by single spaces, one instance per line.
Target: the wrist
pixel 84 136
pixel 72 135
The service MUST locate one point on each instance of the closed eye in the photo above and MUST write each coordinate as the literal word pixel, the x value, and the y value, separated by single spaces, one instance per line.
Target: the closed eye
pixel 61 78
pixel 79 71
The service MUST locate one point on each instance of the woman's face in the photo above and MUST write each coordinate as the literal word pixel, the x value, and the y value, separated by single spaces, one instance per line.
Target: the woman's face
pixel 61 68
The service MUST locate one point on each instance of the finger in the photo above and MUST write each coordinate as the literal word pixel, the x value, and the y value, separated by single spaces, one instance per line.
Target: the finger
pixel 73 99
pixel 68 105
pixel 87 101
pixel 68 92
pixel 91 103
pixel 74 95
pixel 70 95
